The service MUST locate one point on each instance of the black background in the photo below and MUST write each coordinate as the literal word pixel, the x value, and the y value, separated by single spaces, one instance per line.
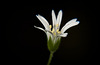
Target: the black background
pixel 28 43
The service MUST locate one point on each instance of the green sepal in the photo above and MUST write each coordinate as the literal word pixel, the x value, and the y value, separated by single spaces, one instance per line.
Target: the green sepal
pixel 53 46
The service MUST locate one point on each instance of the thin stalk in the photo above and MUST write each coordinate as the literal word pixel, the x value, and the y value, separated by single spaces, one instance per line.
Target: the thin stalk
pixel 50 58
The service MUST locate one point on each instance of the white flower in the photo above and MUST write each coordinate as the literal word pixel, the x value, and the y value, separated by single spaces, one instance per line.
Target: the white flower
pixel 53 30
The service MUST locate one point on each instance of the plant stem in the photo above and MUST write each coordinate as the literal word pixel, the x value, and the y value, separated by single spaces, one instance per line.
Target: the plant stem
pixel 50 58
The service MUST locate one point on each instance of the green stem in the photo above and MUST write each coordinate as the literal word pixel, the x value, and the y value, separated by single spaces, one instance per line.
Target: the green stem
pixel 50 58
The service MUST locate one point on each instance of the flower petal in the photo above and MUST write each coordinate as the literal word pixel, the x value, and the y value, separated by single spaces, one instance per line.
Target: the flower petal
pixel 40 28
pixel 64 35
pixel 44 22
pixel 59 17
pixel 49 35
pixel 71 23
pixel 47 32
pixel 53 18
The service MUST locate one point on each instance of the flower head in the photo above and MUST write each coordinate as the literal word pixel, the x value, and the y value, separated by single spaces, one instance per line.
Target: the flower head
pixel 53 31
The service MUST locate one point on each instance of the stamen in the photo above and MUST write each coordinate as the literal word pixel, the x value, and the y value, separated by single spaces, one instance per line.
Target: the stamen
pixel 58 31
pixel 50 26
pixel 52 30
pixel 55 31
pixel 57 25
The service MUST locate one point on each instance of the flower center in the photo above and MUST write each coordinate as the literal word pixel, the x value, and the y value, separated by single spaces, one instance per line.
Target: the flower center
pixel 55 30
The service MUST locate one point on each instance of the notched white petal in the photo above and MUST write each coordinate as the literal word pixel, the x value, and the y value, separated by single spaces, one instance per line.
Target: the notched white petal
pixel 49 35
pixel 59 17
pixel 40 28
pixel 63 35
pixel 43 21
pixel 53 18
pixel 71 23
pixel 78 22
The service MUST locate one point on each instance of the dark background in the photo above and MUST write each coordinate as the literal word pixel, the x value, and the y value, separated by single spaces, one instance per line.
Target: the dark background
pixel 28 43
